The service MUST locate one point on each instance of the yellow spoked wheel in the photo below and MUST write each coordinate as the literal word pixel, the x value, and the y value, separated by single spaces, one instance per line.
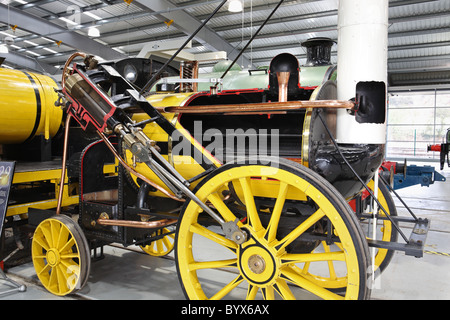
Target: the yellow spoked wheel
pixel 60 255
pixel 161 247
pixel 287 211
pixel 385 232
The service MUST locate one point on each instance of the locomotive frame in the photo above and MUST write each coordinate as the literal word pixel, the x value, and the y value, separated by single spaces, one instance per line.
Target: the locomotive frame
pixel 243 197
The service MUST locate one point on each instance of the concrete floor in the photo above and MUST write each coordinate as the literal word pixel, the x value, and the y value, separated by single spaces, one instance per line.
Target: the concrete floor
pixel 132 275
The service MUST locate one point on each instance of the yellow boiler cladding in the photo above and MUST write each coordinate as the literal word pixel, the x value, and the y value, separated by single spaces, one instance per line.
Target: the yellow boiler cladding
pixel 27 106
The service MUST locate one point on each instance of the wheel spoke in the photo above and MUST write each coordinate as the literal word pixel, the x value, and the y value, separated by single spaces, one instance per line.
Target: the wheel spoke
pixel 224 211
pixel 47 235
pixel 62 278
pixel 62 238
pixel 297 279
pixel 213 264
pixel 268 293
pixel 252 213
pixel 53 280
pixel 68 245
pixel 166 242
pixel 44 269
pixel 159 246
pixel 276 214
pixel 200 230
pixel 297 232
pixel 55 227
pixel 71 255
pixel 40 240
pixel 251 292
pixel 283 289
pixel 292 258
pixel 227 289
pixel 330 262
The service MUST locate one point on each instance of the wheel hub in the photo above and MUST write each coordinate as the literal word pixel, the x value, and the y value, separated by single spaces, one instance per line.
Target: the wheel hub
pixel 52 257
pixel 257 264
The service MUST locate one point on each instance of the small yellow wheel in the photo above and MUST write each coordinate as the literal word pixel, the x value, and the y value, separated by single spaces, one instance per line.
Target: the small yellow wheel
pixel 161 247
pixel 61 255
pixel 287 211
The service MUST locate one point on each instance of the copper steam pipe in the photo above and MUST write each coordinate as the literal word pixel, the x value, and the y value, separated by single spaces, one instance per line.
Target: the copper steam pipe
pixel 261 107
pixel 283 79
pixel 137 224
pixel 66 133
pixel 68 62
pixel 64 161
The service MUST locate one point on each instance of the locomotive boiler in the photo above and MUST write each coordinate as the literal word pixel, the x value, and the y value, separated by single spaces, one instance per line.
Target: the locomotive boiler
pixel 27 107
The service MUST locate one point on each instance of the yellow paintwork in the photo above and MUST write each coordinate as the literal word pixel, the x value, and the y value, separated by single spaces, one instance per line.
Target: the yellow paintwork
pixel 18 106
pixel 263 263
pixel 185 165
pixel 160 247
pixel 386 228
pixel 56 257
pixel 54 175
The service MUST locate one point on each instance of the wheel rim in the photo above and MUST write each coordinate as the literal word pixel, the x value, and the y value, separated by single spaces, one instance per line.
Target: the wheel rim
pixel 267 266
pixel 160 247
pixel 60 255
pixel 385 230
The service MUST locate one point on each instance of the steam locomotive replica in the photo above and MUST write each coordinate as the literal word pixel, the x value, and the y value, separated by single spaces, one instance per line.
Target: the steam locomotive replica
pixel 260 184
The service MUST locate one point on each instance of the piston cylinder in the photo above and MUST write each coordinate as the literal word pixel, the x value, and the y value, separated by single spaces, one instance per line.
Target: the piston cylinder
pixel 27 106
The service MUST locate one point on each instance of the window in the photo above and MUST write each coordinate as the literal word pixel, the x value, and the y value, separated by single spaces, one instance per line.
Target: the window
pixel 416 120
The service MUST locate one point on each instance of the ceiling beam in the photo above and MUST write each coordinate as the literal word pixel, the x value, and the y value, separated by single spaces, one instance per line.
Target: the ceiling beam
pixel 53 31
pixel 188 24
pixel 24 62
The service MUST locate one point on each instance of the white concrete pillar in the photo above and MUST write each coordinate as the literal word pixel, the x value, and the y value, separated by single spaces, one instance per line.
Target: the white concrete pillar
pixel 362 56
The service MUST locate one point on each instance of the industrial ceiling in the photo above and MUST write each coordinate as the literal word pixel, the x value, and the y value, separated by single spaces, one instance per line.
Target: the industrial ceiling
pixel 42 34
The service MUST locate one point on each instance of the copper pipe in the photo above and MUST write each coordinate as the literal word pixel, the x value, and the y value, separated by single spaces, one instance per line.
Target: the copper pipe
pixel 253 113
pixel 283 79
pixel 68 62
pixel 64 161
pixel 137 224
pixel 137 174
pixel 261 107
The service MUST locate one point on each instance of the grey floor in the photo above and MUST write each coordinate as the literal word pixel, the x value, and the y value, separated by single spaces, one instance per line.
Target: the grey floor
pixel 132 275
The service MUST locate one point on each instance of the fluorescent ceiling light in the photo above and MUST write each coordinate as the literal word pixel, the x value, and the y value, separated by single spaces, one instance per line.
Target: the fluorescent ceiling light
pixel 7 34
pixel 21 1
pixel 34 53
pixel 92 15
pixel 118 49
pixel 235 6
pixel 93 32
pixel 3 48
pixel 100 41
pixel 50 50
pixel 30 42
pixel 68 21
